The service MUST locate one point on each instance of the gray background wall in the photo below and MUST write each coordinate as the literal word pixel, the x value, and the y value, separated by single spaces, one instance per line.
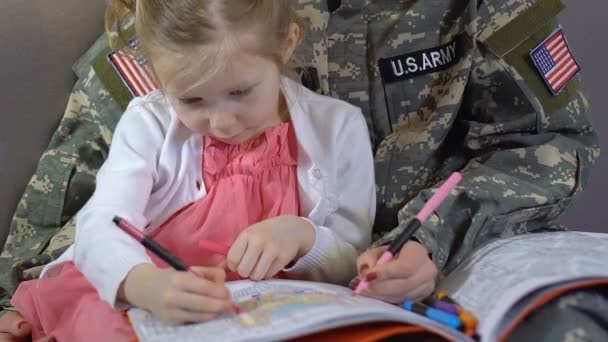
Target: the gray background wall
pixel 40 39
pixel 584 23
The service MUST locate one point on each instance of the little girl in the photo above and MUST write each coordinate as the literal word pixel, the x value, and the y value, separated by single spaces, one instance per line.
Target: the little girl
pixel 230 150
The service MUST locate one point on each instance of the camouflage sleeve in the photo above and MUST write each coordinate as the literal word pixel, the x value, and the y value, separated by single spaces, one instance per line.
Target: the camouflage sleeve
pixel 42 226
pixel 528 151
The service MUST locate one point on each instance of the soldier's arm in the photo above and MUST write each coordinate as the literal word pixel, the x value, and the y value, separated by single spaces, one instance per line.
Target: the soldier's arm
pixel 529 151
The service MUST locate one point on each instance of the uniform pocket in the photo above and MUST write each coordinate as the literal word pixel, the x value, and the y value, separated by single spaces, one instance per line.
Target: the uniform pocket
pixel 535 218
pixel 527 220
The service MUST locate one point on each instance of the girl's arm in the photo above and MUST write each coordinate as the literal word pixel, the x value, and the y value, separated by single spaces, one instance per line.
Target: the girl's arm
pixel 346 232
pixel 103 253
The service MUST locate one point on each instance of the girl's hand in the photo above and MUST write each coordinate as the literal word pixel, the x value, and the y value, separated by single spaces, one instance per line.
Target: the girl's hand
pixel 178 297
pixel 411 275
pixel 265 248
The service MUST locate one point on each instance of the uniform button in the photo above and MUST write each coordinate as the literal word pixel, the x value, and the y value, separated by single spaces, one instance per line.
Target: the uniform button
pixel 317 173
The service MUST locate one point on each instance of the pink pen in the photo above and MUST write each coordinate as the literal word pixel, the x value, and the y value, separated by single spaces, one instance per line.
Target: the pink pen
pixel 214 247
pixel 413 226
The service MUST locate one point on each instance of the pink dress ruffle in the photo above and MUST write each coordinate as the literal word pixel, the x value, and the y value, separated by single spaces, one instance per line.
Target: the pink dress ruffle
pixel 246 183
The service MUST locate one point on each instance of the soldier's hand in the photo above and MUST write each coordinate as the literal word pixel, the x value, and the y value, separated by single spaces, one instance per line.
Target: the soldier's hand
pixel 14 328
pixel 411 275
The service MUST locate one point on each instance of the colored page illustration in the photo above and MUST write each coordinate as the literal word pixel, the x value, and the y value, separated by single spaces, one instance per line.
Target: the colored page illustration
pixel 276 310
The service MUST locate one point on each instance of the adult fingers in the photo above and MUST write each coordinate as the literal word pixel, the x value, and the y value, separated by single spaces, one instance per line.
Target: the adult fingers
pixel 410 259
pixel 368 259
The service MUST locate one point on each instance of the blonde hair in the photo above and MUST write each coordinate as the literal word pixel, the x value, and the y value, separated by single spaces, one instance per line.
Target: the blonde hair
pixel 208 28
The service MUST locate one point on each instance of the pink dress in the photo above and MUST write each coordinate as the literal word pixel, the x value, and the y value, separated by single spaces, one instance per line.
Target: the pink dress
pixel 246 183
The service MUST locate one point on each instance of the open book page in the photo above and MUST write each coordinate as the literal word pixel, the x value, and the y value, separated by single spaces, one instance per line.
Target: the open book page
pixel 498 275
pixel 281 309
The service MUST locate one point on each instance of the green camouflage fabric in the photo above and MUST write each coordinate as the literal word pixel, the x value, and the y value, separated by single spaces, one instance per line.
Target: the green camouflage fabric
pixel 43 224
pixel 578 316
pixel 523 152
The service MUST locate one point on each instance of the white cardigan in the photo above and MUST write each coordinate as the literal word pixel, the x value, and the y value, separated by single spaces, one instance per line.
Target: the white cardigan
pixel 155 163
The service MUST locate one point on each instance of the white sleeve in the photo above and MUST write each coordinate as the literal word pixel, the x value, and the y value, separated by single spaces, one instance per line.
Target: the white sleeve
pixel 347 231
pixel 103 252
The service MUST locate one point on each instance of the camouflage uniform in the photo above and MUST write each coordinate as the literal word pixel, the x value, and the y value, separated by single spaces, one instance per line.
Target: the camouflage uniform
pixel 523 152
pixel 43 224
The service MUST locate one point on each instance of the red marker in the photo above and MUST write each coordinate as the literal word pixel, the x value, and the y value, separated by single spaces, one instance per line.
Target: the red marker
pixel 217 248
pixel 214 247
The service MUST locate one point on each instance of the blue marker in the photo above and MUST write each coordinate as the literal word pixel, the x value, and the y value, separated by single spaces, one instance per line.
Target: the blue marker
pixel 450 320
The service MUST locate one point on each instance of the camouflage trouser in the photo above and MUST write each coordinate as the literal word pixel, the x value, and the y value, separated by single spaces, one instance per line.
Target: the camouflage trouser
pixel 578 316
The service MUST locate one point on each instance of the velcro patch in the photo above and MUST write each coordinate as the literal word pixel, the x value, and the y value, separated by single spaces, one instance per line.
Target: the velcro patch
pixel 398 68
pixel 554 61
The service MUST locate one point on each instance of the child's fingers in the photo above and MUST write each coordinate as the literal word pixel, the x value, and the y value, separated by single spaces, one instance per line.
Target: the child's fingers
pixel 275 268
pixel 214 274
pixel 368 259
pixel 250 259
pixel 177 317
pixel 204 287
pixel 263 265
pixel 237 251
pixel 223 265
pixel 200 304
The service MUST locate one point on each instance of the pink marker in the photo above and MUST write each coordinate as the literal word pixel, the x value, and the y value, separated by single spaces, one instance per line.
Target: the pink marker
pixel 413 226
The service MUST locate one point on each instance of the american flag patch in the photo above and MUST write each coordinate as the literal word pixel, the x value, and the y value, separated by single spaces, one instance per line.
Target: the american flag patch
pixel 134 72
pixel 555 62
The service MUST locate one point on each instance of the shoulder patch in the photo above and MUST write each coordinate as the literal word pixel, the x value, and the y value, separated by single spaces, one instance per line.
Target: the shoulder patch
pixel 134 72
pixel 554 61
